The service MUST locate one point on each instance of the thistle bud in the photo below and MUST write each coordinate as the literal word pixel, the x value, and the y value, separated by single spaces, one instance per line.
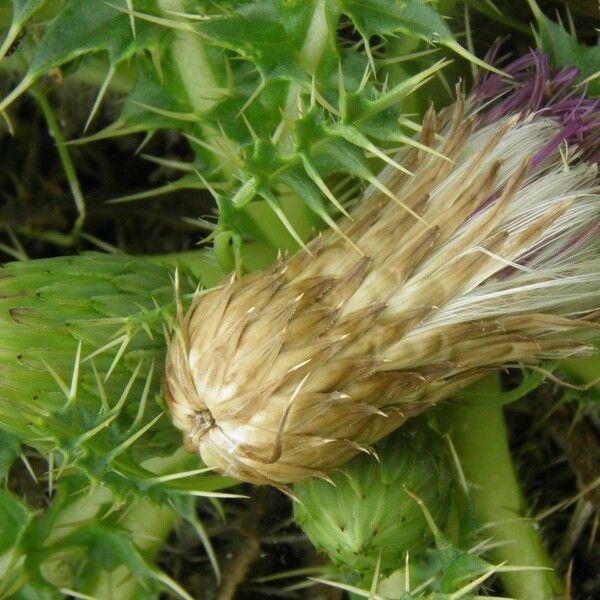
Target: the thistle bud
pixel 486 255
pixel 75 334
pixel 368 516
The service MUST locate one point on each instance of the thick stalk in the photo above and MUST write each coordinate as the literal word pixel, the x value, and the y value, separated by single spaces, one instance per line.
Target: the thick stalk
pixel 310 56
pixel 480 436
pixel 583 370
pixel 192 62
pixel 197 75
pixel 201 263
pixel 149 524
pixel 204 265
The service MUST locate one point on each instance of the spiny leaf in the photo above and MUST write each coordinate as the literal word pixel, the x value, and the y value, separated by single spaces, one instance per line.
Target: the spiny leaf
pixel 411 17
pixel 564 50
pixel 23 10
pixel 82 28
pixel 272 35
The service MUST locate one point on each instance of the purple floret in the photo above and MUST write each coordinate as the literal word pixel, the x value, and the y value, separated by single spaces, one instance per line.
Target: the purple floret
pixel 537 89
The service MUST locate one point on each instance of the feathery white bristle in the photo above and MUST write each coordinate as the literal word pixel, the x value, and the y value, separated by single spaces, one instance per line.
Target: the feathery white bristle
pixel 559 273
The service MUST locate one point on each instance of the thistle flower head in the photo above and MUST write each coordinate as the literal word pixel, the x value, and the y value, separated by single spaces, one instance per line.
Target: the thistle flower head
pixel 485 256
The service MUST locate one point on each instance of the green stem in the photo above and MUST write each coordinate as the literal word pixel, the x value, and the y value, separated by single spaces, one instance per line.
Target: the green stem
pixel 202 264
pixel 65 158
pixel 311 54
pixel 197 76
pixel 150 524
pixel 583 370
pixel 192 62
pixel 316 38
pixel 480 436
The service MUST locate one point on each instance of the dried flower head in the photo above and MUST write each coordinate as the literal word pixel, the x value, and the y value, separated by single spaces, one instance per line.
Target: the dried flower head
pixel 486 256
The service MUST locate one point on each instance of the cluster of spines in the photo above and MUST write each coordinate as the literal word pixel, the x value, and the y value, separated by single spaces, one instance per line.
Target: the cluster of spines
pixel 322 127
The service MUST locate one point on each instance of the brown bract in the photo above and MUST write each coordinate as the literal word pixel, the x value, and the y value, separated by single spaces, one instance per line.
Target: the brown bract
pixel 476 261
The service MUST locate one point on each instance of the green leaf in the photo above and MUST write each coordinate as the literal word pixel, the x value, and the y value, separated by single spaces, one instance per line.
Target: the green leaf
pixel 461 569
pixel 271 34
pixel 411 17
pixel 109 547
pixel 261 41
pixel 263 113
pixel 9 450
pixel 564 50
pixel 22 11
pixel 14 515
pixel 152 98
pixel 386 17
pixel 84 27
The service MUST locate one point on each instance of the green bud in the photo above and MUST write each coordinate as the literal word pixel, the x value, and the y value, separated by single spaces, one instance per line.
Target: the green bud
pixel 83 346
pixel 367 513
